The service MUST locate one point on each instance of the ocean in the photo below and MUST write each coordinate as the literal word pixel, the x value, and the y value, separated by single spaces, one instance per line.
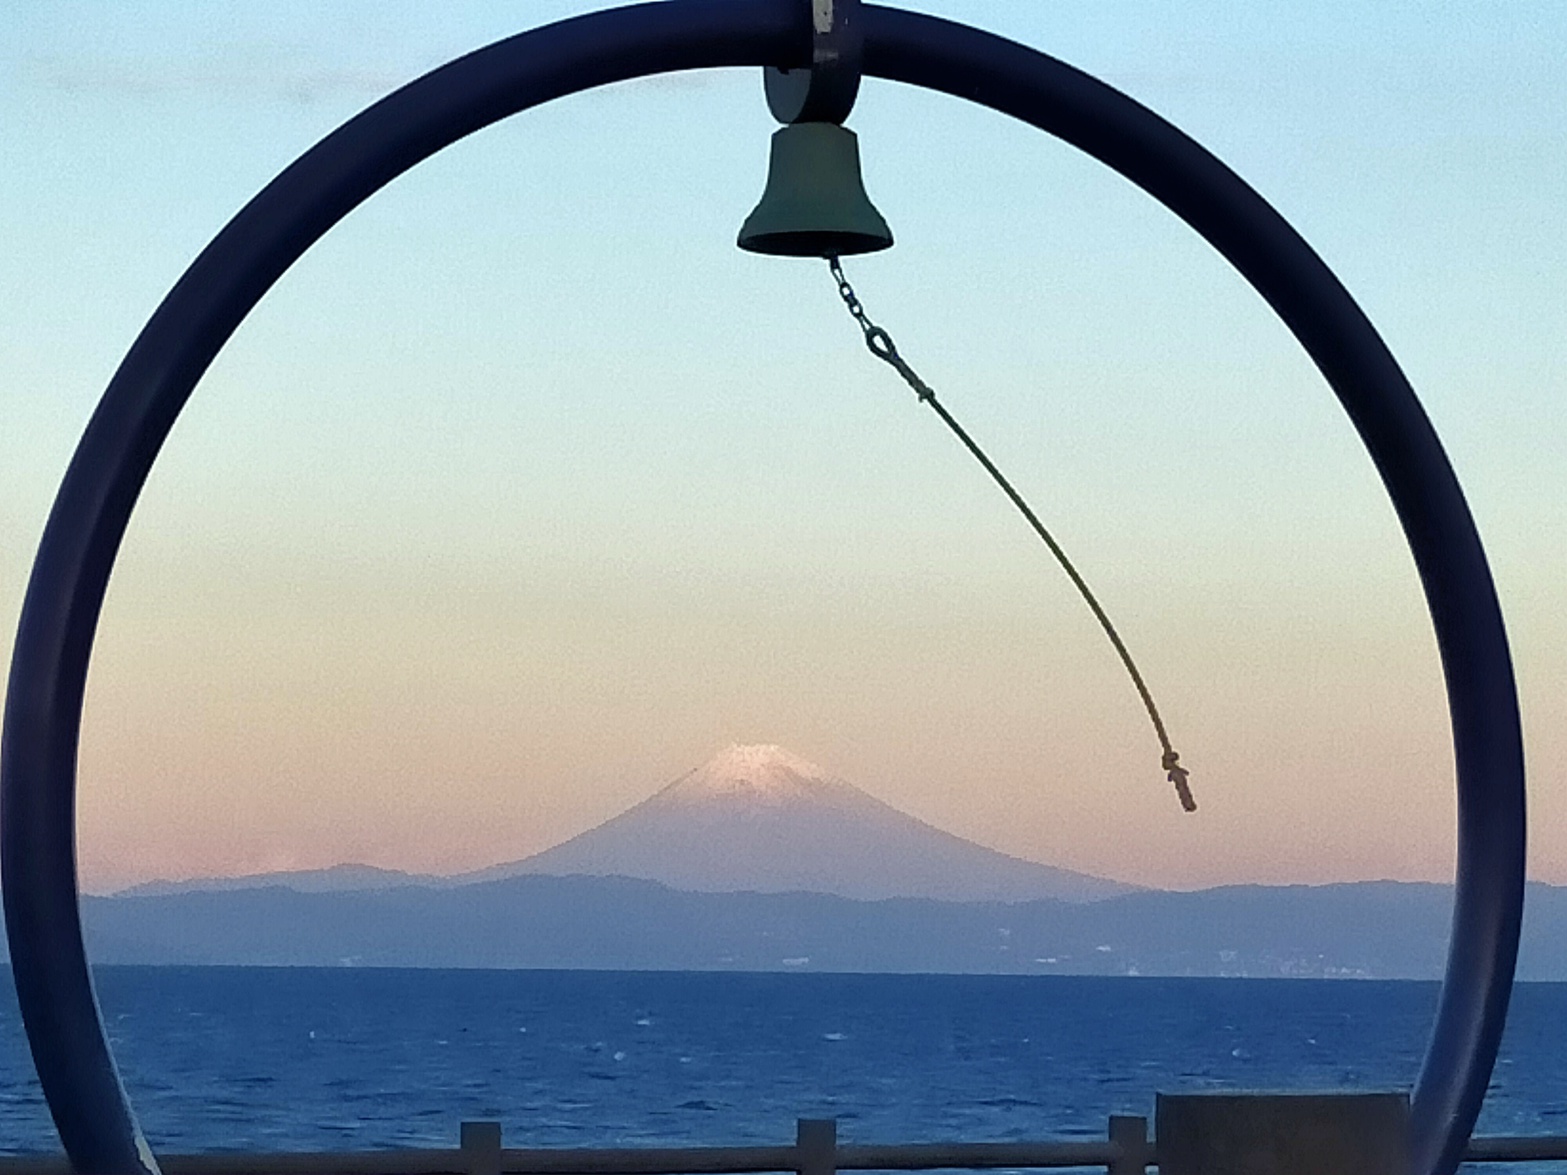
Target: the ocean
pixel 337 1059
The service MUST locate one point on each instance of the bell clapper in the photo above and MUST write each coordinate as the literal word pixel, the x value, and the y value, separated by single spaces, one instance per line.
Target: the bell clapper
pixel 881 345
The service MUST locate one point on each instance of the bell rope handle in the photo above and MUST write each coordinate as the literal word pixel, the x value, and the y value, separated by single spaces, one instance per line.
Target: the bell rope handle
pixel 882 346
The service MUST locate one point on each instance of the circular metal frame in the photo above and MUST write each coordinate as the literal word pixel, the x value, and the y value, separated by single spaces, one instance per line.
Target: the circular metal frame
pixel 94 504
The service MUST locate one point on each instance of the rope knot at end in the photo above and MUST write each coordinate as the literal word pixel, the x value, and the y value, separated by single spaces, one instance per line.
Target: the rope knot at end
pixel 1178 775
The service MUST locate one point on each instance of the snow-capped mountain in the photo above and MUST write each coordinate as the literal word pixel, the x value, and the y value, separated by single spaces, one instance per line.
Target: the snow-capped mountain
pixel 763 819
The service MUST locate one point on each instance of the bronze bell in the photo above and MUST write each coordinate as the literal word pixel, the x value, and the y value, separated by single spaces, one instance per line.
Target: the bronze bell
pixel 814 204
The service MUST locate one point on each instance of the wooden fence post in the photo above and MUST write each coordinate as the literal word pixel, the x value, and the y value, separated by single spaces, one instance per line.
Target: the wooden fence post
pixel 816 1145
pixel 481 1148
pixel 1130 1133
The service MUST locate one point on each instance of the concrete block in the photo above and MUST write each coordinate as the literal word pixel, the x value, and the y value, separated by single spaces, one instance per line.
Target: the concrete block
pixel 1283 1134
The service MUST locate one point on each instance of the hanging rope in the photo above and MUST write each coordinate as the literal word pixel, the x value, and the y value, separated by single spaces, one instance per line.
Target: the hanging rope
pixel 881 346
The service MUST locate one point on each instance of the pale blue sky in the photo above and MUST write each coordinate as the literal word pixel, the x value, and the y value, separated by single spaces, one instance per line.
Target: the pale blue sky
pixel 525 489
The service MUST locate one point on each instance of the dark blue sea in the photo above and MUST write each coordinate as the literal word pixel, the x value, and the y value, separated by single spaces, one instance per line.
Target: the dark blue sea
pixel 302 1059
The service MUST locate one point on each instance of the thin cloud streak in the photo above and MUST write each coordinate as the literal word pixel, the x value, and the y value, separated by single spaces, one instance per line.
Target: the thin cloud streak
pixel 251 76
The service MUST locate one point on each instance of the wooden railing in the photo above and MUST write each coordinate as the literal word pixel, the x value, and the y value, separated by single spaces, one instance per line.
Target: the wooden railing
pixel 1126 1149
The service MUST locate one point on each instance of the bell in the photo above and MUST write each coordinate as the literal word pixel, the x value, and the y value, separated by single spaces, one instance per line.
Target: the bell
pixel 814 204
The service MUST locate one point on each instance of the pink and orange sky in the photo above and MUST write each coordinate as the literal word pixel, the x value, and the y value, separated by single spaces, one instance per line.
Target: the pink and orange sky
pixel 525 491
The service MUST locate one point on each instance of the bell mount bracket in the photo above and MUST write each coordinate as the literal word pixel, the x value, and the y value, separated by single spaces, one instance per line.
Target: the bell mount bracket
pixel 823 90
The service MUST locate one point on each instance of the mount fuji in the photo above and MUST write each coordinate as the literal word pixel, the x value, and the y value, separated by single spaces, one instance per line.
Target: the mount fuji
pixel 761 819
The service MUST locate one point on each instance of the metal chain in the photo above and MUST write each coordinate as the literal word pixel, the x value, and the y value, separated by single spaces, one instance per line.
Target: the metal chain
pixel 882 346
pixel 878 340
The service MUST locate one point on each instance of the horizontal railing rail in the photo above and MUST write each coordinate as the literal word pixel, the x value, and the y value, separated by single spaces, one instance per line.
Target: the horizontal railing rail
pixel 1125 1150
pixel 1523 1148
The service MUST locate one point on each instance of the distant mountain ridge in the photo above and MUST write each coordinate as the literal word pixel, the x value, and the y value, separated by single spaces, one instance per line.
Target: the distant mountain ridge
pixel 754 818
pixel 336 879
pixel 1382 930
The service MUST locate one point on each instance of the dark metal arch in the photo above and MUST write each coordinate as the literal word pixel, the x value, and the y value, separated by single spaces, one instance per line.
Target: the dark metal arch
pixel 93 507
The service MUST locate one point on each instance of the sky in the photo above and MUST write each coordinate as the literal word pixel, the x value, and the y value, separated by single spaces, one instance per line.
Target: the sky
pixel 525 491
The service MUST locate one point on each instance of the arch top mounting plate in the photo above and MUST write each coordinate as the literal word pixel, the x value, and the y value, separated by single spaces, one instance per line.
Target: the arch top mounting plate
pixel 824 89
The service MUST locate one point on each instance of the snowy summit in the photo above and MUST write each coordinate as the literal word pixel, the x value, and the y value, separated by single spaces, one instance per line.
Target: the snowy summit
pixel 759 772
